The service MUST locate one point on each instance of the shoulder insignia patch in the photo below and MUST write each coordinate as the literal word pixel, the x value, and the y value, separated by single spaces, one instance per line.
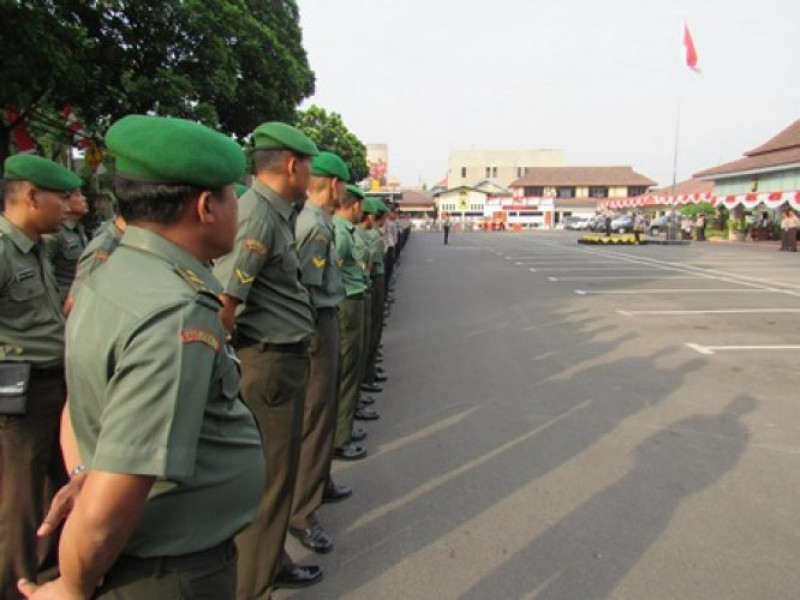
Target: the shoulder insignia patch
pixel 339 262
pixel 318 261
pixel 203 336
pixel 243 277
pixel 255 246
pixel 363 266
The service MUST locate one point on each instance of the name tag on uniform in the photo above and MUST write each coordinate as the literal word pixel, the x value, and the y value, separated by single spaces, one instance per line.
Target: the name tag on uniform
pixel 20 276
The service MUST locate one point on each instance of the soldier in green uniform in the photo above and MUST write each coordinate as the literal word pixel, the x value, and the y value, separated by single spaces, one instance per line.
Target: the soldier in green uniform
pixel 95 254
pixel 31 337
pixel 351 322
pixel 320 274
pixel 173 457
pixel 269 314
pixel 65 247
pixel 376 212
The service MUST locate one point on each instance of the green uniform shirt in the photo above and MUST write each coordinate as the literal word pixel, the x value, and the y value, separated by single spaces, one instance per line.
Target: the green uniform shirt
pixel 262 272
pixel 351 257
pixel 362 247
pixel 96 253
pixel 319 269
pixel 375 241
pixel 154 390
pixel 31 321
pixel 64 249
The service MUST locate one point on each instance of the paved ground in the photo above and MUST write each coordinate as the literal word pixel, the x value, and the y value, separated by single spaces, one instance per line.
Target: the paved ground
pixel 573 422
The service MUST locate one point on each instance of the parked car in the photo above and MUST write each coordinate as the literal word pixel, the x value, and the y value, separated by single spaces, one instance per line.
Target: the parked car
pixel 596 223
pixel 622 224
pixel 661 223
pixel 575 223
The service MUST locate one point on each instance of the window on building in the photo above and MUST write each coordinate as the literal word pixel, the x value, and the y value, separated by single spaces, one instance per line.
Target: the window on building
pixel 494 171
pixel 636 190
pixel 463 172
pixel 534 191
pixel 476 207
pixel 565 192
pixel 521 172
pixel 598 192
pixel 488 172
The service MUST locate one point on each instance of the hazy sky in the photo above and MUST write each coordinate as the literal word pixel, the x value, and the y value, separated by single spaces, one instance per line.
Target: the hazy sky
pixel 598 79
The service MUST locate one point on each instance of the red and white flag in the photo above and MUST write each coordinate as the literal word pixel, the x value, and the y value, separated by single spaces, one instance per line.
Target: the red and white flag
pixel 75 128
pixel 22 139
pixel 691 51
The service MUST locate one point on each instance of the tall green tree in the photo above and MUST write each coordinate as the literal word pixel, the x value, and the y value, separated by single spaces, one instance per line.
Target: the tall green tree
pixel 330 133
pixel 230 64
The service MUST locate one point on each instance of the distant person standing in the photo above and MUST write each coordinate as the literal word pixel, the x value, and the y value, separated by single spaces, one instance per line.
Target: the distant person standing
pixel 446 229
pixel 700 228
pixel 789 226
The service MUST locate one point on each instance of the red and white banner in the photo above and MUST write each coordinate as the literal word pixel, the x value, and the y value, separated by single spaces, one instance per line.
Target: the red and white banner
pixel 75 128
pixel 22 139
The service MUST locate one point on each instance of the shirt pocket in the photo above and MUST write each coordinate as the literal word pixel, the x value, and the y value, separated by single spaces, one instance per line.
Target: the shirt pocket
pixel 71 250
pixel 20 294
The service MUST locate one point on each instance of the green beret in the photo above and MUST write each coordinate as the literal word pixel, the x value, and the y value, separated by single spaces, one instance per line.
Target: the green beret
pixel 240 189
pixel 41 172
pixel 371 206
pixel 382 208
pixel 354 190
pixel 174 151
pixel 328 164
pixel 280 136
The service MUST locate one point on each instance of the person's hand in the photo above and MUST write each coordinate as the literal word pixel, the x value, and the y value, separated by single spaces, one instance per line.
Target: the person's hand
pixel 62 504
pixel 53 590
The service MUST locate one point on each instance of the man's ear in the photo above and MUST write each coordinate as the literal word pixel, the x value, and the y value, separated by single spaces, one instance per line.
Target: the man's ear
pixel 205 207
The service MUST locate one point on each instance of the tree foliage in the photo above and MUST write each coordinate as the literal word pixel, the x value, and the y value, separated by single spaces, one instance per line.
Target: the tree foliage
pixel 330 133
pixel 230 64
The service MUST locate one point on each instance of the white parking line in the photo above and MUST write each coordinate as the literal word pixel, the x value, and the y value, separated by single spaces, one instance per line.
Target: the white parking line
pixel 679 291
pixel 554 270
pixel 615 277
pixel 714 349
pixel 718 311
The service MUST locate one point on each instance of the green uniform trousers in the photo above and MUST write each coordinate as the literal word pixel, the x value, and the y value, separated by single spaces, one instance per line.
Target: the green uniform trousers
pixel 367 335
pixel 376 325
pixel 319 420
pixel 31 468
pixel 351 332
pixel 212 579
pixel 273 387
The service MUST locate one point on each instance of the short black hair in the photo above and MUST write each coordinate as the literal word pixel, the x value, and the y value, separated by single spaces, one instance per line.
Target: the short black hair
pixel 9 189
pixel 154 202
pixel 268 159
pixel 348 200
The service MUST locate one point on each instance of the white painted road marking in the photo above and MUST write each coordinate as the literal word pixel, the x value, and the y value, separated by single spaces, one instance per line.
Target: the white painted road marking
pixel 679 291
pixel 614 277
pixel 717 311
pixel 714 349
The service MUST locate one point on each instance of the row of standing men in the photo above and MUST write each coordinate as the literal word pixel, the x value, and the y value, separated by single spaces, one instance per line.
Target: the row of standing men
pixel 188 309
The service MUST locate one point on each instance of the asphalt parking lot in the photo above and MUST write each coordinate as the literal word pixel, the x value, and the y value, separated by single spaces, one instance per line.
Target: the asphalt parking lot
pixel 577 422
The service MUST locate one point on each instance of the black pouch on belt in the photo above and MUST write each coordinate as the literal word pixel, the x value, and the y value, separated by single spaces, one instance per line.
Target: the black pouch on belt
pixel 14 380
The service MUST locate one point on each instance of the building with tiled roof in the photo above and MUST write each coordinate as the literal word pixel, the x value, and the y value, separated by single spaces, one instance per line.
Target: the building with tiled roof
pixel 774 166
pixel 581 182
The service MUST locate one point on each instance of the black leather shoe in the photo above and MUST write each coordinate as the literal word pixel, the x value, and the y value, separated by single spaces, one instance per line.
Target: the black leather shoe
pixel 358 434
pixel 297 577
pixel 366 413
pixel 380 371
pixel 378 360
pixel 336 493
pixel 371 388
pixel 350 452
pixel 314 538
pixel 380 378
pixel 366 400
